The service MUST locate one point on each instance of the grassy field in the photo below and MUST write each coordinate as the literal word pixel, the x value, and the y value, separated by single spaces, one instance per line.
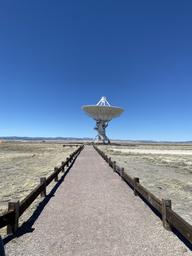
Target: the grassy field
pixel 23 163
pixel 164 169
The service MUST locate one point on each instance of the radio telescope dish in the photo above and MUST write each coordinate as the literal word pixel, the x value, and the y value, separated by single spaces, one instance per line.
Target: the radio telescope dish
pixel 102 113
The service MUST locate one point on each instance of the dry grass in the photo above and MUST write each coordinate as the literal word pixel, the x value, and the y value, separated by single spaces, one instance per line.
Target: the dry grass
pixel 166 170
pixel 21 166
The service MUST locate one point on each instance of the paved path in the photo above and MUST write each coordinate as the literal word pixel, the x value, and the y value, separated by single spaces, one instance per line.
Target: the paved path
pixel 94 212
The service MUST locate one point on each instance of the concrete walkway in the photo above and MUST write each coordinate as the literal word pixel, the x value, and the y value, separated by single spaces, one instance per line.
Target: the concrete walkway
pixel 94 212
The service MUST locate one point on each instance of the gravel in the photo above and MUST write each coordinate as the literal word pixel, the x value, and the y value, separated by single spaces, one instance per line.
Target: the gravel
pixel 94 212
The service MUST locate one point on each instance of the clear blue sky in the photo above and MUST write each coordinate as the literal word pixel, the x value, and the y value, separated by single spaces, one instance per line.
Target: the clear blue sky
pixel 58 55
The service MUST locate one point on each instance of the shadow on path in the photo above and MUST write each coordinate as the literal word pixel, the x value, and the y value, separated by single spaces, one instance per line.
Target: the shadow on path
pixel 174 230
pixel 26 227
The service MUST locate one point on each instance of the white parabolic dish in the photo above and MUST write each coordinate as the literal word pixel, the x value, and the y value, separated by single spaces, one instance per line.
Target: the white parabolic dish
pixel 103 113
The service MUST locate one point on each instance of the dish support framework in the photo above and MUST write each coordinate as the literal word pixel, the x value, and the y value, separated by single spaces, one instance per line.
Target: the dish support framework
pixel 100 128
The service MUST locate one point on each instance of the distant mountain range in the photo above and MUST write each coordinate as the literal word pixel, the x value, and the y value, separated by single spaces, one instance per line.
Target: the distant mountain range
pixel 15 138
pixel 155 142
pixel 42 138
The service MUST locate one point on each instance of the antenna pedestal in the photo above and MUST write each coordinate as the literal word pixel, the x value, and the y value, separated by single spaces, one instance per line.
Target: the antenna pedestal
pixel 100 128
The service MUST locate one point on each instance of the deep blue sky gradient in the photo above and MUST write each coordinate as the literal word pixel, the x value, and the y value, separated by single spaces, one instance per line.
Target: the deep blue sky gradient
pixel 58 55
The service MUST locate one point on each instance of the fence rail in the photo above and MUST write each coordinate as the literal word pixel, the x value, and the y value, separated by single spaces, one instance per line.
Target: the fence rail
pixel 16 209
pixel 170 218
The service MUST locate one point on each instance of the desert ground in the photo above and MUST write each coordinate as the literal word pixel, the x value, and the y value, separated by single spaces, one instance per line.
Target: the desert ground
pixel 164 169
pixel 21 166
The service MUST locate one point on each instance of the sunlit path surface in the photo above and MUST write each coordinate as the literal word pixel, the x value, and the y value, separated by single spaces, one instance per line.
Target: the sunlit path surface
pixel 94 212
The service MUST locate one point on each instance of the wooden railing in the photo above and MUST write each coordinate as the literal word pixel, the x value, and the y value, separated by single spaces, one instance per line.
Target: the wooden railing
pixel 170 218
pixel 16 209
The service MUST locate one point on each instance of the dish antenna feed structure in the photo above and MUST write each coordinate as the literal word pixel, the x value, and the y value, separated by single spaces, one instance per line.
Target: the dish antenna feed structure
pixel 102 113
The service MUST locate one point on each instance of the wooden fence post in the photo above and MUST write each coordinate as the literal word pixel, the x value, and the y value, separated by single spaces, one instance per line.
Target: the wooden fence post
pixel 43 181
pixel 56 177
pixel 67 161
pixel 63 166
pixel 121 172
pixel 12 227
pixel 166 203
pixel 2 250
pixel 114 166
pixel 136 181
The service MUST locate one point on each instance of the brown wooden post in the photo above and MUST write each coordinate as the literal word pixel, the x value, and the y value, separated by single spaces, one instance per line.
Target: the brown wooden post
pixel 166 203
pixel 121 172
pixel 109 160
pixel 12 227
pixel 136 181
pixel 63 166
pixel 56 171
pixel 43 181
pixel 114 166
pixel 67 161
pixel 2 250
